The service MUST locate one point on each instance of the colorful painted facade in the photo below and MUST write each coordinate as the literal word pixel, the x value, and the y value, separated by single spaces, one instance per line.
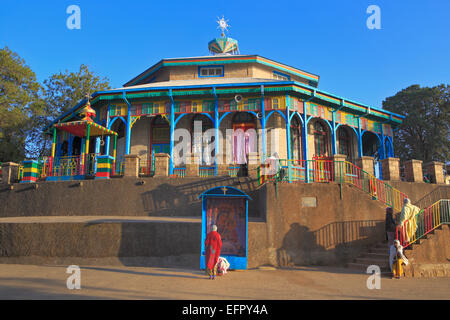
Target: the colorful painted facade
pixel 281 104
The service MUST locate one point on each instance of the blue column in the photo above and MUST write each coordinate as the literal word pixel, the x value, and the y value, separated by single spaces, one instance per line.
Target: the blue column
pixel 288 144
pixel 392 144
pixel 172 131
pixel 263 125
pixel 70 145
pixel 288 135
pixel 360 148
pixel 216 128
pixel 305 141
pixel 333 136
pixel 128 142
pixel 383 151
pixel 108 138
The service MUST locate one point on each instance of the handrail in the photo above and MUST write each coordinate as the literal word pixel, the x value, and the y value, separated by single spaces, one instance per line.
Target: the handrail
pixel 347 172
pixel 331 171
pixel 424 222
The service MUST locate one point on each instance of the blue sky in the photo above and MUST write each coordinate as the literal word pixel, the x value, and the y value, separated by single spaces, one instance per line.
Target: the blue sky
pixel 329 38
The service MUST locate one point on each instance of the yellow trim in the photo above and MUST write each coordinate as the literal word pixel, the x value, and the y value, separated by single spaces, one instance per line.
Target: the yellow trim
pixel 103 165
pixel 33 170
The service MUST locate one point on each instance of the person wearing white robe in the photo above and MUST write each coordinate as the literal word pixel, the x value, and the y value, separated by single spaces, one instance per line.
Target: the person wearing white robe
pixel 396 259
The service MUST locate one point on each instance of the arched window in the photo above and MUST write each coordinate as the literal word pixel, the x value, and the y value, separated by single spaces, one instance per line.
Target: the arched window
pixel 320 140
pixel 119 127
pixel 296 139
pixel 345 143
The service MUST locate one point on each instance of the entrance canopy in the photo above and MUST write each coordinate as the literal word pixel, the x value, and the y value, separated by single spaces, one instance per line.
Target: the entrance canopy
pixel 224 192
pixel 79 128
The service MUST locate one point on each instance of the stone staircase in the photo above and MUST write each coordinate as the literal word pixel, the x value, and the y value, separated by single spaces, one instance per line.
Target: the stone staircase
pixel 377 255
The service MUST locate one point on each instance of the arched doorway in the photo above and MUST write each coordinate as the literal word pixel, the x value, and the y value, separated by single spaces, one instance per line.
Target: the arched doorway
pixel 322 139
pixel 160 135
pixel 371 144
pixel 244 136
pixel 346 142
pixel 199 144
pixel 296 139
pixel 372 147
pixel 119 127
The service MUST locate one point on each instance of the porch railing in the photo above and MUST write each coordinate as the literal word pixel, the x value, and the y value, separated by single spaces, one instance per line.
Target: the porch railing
pixel 118 167
pixel 147 167
pixel 233 171
pixel 205 172
pixel 179 172
pixel 81 165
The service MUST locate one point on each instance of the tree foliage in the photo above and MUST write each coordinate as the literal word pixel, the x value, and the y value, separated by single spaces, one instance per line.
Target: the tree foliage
pixel 62 91
pixel 65 90
pixel 20 104
pixel 424 134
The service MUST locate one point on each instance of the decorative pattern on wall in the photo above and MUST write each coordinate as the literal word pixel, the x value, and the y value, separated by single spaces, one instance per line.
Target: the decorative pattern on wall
pixel 252 103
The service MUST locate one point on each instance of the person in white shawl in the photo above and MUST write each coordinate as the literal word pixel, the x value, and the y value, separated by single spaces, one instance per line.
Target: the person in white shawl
pixel 408 220
pixel 396 259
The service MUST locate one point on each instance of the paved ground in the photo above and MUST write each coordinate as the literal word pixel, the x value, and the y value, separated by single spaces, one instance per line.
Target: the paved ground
pixel 49 282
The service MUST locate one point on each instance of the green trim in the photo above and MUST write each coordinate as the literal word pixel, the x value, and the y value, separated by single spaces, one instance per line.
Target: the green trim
pixel 237 90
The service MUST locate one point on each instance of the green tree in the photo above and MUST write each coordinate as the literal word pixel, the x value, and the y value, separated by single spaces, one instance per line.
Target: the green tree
pixel 62 92
pixel 20 104
pixel 424 133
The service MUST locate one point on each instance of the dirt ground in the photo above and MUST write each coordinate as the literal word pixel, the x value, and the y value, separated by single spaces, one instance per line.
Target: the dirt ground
pixel 102 282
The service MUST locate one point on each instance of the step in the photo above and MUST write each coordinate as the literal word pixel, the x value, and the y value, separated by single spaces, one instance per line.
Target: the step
pixel 363 267
pixel 375 255
pixel 369 261
pixel 380 251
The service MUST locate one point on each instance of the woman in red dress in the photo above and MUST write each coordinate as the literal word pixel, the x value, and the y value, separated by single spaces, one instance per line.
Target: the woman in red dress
pixel 213 244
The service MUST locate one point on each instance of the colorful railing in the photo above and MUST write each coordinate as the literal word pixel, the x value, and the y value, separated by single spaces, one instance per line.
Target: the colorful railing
pixel 205 172
pixel 179 173
pixel 147 167
pixel 347 172
pixel 118 167
pixel 296 171
pixel 233 171
pixel 291 171
pixel 424 222
pixel 82 165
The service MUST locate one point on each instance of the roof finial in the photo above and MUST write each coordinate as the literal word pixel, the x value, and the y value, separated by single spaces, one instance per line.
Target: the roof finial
pixel 223 25
pixel 223 45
